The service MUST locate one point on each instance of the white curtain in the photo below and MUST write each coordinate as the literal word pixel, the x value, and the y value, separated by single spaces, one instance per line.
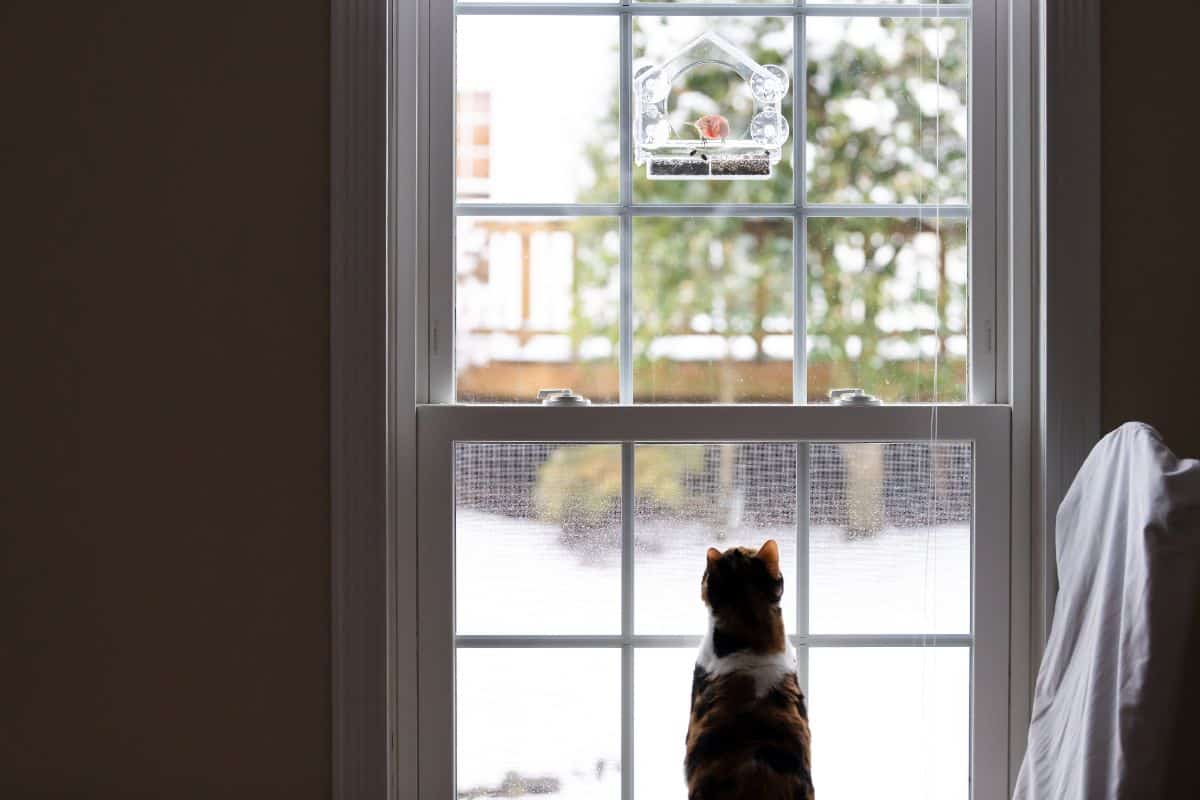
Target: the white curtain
pixel 1114 711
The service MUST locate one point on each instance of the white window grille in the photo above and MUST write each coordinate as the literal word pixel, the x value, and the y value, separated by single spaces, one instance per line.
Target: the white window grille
pixel 475 456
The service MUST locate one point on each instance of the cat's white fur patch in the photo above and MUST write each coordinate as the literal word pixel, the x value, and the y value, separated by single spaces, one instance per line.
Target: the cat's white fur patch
pixel 768 670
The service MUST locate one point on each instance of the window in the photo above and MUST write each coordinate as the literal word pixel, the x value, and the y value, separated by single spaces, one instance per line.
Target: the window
pixel 559 590
pixel 707 320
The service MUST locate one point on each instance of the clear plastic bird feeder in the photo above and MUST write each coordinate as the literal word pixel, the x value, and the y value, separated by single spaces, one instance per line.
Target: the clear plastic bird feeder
pixel 750 156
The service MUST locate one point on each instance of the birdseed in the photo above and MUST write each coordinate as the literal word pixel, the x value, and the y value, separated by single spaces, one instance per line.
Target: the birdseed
pixel 741 165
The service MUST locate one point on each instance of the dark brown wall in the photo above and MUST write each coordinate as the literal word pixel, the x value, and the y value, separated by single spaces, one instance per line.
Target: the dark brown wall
pixel 1151 220
pixel 164 521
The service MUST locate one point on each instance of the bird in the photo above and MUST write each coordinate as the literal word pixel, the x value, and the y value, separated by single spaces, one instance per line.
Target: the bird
pixel 712 126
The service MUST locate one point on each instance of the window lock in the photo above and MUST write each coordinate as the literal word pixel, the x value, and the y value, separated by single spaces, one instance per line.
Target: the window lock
pixel 852 397
pixel 562 397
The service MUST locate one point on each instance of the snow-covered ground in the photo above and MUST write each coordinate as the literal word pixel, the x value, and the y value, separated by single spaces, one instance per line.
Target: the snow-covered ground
pixel 886 721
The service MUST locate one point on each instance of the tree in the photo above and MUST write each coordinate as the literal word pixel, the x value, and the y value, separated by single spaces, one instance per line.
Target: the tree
pixel 886 122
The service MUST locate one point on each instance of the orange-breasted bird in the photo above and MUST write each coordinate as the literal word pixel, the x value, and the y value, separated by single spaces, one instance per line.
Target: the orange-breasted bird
pixel 712 126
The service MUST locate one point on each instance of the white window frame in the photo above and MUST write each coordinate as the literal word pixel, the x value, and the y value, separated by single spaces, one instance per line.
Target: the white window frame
pixel 1046 366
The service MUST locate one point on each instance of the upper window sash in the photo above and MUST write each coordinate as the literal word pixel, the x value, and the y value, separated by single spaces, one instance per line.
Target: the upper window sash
pixel 988 279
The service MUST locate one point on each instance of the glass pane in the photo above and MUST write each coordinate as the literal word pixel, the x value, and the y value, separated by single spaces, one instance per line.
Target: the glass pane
pixel 887 308
pixel 887 110
pixel 662 698
pixel 691 497
pixel 690 2
pixel 712 310
pixel 539 723
pixel 537 100
pixel 916 740
pixel 536 306
pixel 890 537
pixel 886 2
pixel 531 2
pixel 537 538
pixel 890 722
pixel 714 89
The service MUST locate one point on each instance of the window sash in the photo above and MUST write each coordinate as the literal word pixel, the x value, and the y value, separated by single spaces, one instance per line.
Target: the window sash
pixel 441 425
pixel 987 427
pixel 987 116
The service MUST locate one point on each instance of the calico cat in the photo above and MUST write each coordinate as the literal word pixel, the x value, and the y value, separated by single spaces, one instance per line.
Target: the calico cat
pixel 748 736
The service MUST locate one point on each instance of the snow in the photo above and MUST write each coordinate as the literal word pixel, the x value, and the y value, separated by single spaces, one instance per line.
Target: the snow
pixel 886 721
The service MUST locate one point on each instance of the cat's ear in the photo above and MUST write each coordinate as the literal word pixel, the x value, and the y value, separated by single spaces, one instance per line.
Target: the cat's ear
pixel 714 555
pixel 769 555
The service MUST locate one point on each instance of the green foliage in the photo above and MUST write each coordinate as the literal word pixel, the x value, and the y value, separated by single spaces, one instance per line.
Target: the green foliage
pixel 579 488
pixel 878 130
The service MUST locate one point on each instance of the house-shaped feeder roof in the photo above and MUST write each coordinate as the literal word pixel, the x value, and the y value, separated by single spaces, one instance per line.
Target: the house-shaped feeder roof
pixel 708 48
pixel 682 159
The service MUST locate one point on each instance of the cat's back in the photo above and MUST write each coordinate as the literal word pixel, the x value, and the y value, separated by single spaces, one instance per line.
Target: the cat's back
pixel 747 741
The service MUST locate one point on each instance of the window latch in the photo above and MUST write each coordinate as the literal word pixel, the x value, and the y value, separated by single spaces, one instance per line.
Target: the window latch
pixel 852 397
pixel 562 397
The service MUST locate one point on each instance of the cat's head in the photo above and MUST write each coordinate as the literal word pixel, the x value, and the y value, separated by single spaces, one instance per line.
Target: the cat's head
pixel 742 578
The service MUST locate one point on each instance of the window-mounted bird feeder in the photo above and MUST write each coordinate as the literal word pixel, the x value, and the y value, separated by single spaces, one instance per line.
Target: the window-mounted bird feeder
pixel 714 154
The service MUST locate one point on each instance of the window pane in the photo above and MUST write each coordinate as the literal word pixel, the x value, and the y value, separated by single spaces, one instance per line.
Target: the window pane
pixel 887 308
pixel 885 2
pixel 890 537
pixel 537 538
pixel 536 307
pixel 712 310
pixel 904 711
pixel 485 2
pixel 690 2
pixel 890 722
pixel 887 110
pixel 691 497
pixel 539 723
pixel 715 89
pixel 537 100
pixel 662 697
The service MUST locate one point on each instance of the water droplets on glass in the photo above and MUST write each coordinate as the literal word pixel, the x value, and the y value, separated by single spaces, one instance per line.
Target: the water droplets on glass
pixel 690 497
pixel 537 538
pixel 890 537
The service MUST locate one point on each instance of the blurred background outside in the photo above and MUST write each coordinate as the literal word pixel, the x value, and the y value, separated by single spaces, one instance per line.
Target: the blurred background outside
pixel 537 301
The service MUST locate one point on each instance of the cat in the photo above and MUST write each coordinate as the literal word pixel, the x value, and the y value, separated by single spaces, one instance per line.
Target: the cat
pixel 748 735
